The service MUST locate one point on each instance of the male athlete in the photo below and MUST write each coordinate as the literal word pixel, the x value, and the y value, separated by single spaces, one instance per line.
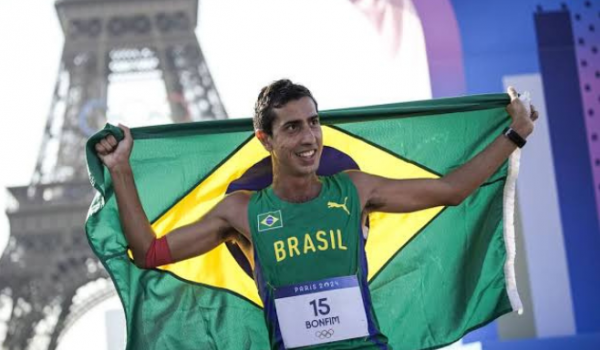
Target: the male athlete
pixel 302 234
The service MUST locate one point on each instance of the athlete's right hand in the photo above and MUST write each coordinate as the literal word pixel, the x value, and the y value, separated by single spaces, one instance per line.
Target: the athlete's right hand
pixel 113 153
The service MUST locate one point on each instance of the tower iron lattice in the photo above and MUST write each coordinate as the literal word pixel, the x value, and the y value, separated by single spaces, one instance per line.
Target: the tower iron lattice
pixel 47 259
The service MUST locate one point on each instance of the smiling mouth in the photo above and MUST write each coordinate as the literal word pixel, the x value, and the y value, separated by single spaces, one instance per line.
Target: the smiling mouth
pixel 307 154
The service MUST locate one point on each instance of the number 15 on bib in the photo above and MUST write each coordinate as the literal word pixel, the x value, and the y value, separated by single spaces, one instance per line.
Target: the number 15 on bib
pixel 321 312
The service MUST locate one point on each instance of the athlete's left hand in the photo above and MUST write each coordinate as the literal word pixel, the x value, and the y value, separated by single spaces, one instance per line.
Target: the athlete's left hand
pixel 522 116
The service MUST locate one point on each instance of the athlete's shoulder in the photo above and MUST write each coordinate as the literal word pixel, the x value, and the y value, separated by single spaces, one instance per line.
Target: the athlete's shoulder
pixel 356 177
pixel 363 182
pixel 235 204
pixel 238 198
pixel 337 177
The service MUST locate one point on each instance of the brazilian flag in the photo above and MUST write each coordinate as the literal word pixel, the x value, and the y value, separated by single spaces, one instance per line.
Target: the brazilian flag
pixel 434 274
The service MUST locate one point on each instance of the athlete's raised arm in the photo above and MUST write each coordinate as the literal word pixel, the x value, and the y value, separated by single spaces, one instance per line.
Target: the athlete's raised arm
pixel 216 227
pixel 388 195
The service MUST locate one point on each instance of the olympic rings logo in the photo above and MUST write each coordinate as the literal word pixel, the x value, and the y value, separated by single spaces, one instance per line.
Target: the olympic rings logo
pixel 328 333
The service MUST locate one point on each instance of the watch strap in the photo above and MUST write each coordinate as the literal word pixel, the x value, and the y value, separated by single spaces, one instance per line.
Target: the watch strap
pixel 514 137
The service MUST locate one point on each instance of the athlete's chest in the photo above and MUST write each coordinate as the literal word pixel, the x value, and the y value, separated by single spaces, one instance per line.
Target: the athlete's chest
pixel 294 233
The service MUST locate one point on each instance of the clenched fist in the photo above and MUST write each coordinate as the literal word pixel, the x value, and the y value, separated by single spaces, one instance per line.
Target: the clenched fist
pixel 114 153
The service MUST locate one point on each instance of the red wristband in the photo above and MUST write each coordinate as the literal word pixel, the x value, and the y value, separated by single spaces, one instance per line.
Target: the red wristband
pixel 158 253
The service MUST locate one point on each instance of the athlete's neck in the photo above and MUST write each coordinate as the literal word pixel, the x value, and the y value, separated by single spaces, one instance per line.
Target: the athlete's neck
pixel 296 189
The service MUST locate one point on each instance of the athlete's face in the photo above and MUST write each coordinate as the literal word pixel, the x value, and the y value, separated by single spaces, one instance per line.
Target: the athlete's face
pixel 297 142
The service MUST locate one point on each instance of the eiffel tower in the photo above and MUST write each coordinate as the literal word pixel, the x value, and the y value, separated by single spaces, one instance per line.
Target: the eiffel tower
pixel 48 259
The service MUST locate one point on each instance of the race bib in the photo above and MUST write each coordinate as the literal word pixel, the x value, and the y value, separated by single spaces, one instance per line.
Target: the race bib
pixel 321 312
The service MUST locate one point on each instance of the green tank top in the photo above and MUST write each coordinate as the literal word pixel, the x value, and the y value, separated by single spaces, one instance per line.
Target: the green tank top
pixel 307 255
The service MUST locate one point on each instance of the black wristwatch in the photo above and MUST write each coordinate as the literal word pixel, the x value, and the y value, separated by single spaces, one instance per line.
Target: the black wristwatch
pixel 514 137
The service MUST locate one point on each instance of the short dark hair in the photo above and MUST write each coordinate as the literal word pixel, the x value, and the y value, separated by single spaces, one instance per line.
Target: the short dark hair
pixel 276 95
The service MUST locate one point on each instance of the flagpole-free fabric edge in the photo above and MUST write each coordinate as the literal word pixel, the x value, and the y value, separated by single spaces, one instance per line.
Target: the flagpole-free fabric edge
pixel 114 280
pixel 509 231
